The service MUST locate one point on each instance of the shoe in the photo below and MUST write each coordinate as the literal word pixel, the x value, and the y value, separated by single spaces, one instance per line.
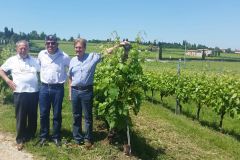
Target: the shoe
pixel 79 142
pixel 87 144
pixel 57 142
pixel 127 149
pixel 19 146
pixel 42 141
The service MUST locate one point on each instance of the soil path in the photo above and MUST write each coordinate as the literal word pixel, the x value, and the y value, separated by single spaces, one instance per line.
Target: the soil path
pixel 8 149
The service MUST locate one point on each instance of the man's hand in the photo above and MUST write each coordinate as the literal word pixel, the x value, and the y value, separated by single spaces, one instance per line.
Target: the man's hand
pixel 11 84
pixel 124 43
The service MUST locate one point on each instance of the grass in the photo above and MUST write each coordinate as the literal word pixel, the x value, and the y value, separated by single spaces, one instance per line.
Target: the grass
pixel 208 117
pixel 157 134
pixel 177 137
pixel 101 150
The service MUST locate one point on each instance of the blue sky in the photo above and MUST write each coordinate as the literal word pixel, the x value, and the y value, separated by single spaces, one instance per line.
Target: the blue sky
pixel 208 22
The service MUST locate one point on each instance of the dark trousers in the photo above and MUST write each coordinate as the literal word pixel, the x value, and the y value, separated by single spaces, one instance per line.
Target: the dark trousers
pixel 26 115
pixel 51 95
pixel 82 101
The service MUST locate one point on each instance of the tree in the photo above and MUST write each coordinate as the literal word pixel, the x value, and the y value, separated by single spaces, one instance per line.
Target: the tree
pixel 228 50
pixel 71 39
pixel 155 42
pixel 14 38
pixel 203 54
pixel 7 33
pixel 23 35
pixel 42 36
pixel 160 51
pixel 11 32
pixel 33 35
pixel 217 51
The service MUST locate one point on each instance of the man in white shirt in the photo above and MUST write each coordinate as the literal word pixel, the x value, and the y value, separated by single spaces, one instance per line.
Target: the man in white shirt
pixel 54 63
pixel 24 84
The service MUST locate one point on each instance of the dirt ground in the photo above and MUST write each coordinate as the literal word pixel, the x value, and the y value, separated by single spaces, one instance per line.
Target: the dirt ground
pixel 8 149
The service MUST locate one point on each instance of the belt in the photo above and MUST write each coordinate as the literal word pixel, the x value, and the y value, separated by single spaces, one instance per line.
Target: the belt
pixel 53 85
pixel 89 87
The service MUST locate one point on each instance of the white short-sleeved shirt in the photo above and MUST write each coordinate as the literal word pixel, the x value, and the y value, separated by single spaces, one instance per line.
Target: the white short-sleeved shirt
pixel 53 66
pixel 24 73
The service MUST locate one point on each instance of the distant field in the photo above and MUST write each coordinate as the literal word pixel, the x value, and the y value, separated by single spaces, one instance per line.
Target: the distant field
pixel 168 53
pixel 171 53
pixel 207 66
pixel 68 48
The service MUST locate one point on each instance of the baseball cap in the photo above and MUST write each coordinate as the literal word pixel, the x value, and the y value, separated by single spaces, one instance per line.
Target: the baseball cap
pixel 51 38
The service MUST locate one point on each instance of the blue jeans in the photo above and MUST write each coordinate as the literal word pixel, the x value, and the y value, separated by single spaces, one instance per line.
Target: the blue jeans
pixel 82 101
pixel 51 95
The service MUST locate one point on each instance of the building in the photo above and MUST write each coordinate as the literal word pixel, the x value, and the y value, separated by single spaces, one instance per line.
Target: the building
pixel 199 52
pixel 237 51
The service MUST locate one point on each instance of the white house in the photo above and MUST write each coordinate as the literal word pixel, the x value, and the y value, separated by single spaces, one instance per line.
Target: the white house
pixel 237 51
pixel 198 52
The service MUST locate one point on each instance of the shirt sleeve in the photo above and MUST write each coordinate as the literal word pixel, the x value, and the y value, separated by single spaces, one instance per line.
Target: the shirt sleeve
pixel 7 66
pixel 39 59
pixel 66 60
pixel 97 57
pixel 70 69
pixel 37 64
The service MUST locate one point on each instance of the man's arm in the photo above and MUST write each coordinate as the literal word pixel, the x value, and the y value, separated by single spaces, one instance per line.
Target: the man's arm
pixel 8 81
pixel 121 44
pixel 69 86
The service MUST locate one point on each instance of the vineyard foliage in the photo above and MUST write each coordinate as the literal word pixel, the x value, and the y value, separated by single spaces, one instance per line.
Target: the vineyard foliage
pixel 219 92
pixel 118 87
pixel 120 84
pixel 5 92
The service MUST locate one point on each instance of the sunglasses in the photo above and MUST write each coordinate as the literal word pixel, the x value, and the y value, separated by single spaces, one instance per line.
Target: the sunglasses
pixel 52 43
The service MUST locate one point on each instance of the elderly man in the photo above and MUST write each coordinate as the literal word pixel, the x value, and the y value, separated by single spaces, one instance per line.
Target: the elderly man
pixel 53 74
pixel 24 84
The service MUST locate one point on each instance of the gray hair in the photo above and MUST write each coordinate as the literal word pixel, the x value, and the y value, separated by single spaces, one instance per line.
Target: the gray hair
pixel 22 42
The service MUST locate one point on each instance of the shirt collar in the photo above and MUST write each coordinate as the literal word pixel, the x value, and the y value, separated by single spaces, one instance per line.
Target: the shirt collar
pixel 57 51
pixel 82 58
pixel 19 57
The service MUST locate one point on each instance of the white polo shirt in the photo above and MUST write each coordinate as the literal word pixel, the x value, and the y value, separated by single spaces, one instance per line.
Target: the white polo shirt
pixel 53 66
pixel 24 73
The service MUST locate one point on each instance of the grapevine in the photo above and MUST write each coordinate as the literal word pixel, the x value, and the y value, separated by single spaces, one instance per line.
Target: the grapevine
pixel 118 89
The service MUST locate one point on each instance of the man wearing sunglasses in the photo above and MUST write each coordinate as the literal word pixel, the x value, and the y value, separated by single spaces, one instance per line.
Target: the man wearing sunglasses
pixel 53 75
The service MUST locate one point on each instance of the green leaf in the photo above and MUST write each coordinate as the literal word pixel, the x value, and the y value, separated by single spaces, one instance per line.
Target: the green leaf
pixel 113 92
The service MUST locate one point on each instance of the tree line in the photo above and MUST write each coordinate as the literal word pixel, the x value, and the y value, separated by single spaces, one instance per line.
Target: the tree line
pixel 9 36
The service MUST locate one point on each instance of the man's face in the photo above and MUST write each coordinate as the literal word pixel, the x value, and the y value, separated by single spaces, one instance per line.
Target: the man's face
pixel 22 50
pixel 51 46
pixel 79 49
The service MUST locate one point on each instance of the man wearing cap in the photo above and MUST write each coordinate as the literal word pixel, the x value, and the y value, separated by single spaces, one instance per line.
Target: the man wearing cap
pixel 24 84
pixel 53 74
